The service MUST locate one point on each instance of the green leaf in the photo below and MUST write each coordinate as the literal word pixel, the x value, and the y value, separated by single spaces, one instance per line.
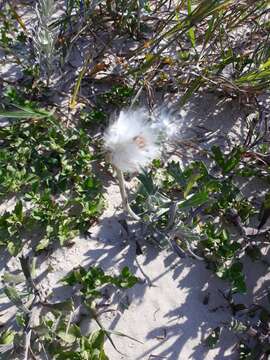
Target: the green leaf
pixel 66 337
pixel 21 319
pixel 191 182
pixel 97 339
pixel 118 333
pixel 7 337
pixel 191 32
pixel 19 211
pixel 25 113
pixel 13 295
pixel 26 269
pixel 227 162
pixel 174 169
pixel 193 86
pixel 212 339
pixel 206 8
pixel 13 248
pixel 127 279
pixel 43 244
pixel 209 31
pixel 218 156
pixel 233 160
pixel 11 278
pixel 194 200
pixel 75 276
pixel 147 181
pixel 235 275
pixel 63 306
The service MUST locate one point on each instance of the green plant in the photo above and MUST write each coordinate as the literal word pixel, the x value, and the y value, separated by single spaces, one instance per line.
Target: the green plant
pixel 118 95
pixel 56 334
pixel 12 225
pixel 167 200
pixel 45 37
pixel 50 166
pixel 93 279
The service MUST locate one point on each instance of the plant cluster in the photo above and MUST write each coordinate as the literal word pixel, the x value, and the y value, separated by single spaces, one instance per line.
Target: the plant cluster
pixel 52 329
pixel 48 168
pixel 197 207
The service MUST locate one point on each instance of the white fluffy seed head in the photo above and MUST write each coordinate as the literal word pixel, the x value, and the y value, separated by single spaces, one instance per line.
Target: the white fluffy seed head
pixel 131 141
pixel 166 124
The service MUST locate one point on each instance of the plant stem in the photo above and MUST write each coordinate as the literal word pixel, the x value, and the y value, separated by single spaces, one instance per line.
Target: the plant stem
pixel 124 196
pixel 73 101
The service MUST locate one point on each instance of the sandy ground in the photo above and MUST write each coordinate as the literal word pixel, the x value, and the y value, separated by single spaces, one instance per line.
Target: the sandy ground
pixel 166 310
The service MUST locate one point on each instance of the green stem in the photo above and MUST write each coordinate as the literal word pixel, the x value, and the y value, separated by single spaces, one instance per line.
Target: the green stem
pixel 73 100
